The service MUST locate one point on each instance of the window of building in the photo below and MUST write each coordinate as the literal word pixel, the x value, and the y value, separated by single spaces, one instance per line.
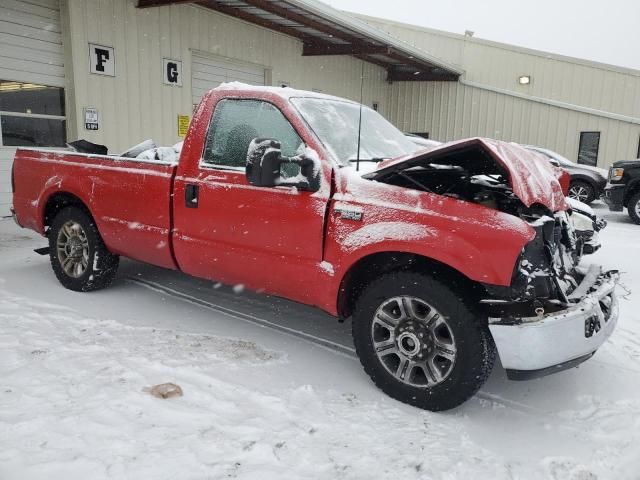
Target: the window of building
pixel 236 122
pixel 421 134
pixel 588 148
pixel 32 115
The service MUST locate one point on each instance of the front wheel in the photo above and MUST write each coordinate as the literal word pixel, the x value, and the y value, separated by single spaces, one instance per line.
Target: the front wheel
pixel 633 207
pixel 582 191
pixel 420 343
pixel 78 255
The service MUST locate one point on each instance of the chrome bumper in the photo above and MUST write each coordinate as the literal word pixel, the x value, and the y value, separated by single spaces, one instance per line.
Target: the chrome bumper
pixel 559 340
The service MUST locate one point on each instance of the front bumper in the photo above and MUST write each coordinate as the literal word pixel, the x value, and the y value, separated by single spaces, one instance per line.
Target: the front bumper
pixel 537 346
pixel 614 197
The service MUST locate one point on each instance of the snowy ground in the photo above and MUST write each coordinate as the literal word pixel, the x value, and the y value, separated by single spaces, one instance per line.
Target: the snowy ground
pixel 273 389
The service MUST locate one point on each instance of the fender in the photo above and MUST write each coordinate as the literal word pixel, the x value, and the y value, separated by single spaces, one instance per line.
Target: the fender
pixel 480 258
pixel 584 178
pixel 61 185
pixel 632 187
pixel 480 243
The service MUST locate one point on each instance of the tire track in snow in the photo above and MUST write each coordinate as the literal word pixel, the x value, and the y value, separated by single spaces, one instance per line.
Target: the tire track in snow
pixel 343 350
pixel 334 347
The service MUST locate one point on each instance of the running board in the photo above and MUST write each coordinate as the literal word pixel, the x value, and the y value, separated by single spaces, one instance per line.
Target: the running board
pixel 42 251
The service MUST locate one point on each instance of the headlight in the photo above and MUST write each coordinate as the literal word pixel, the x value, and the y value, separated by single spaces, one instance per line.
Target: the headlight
pixel 615 174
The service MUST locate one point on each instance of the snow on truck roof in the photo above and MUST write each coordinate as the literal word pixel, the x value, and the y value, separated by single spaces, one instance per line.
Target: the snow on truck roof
pixel 284 92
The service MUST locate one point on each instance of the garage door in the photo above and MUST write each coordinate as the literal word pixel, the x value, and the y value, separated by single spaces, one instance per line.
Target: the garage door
pixel 31 82
pixel 209 72
pixel 31 42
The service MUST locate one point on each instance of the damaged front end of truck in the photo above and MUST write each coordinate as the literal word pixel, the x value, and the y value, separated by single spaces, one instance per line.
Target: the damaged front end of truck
pixel 555 313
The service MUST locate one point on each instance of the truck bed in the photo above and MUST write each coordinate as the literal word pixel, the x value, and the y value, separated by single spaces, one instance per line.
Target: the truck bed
pixel 130 199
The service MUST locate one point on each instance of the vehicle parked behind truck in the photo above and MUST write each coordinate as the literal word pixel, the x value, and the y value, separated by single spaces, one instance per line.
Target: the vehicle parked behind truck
pixel 623 188
pixel 587 183
pixel 440 259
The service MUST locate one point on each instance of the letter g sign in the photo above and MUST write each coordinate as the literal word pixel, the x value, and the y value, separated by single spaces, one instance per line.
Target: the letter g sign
pixel 172 72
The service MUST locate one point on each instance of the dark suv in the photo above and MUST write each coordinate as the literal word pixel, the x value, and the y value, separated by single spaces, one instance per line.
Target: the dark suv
pixel 623 189
pixel 587 183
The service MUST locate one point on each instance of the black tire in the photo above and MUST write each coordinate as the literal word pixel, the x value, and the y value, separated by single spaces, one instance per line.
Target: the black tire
pixel 582 191
pixel 633 208
pixel 101 265
pixel 474 347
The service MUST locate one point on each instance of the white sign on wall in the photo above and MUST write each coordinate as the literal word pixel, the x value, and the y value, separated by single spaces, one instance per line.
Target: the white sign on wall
pixel 172 72
pixel 90 118
pixel 102 60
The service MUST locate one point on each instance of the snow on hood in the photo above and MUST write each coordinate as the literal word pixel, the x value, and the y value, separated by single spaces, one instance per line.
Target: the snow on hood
pixel 533 179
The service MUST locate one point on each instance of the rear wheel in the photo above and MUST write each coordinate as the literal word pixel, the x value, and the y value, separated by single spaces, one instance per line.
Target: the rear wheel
pixel 78 255
pixel 633 207
pixel 582 191
pixel 420 343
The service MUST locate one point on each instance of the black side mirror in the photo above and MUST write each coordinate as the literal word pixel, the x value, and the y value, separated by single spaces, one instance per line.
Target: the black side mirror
pixel 264 162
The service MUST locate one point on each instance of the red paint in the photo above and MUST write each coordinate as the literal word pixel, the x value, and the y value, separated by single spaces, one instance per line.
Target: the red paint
pixel 564 178
pixel 269 239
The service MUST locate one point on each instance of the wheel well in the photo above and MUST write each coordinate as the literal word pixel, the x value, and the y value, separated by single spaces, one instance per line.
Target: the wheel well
pixel 630 191
pixel 57 202
pixel 586 180
pixel 372 266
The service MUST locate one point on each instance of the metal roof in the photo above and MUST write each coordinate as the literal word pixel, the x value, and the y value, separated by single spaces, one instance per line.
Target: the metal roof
pixel 324 30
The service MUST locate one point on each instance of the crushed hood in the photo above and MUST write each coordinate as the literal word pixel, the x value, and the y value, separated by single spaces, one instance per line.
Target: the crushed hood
pixel 533 179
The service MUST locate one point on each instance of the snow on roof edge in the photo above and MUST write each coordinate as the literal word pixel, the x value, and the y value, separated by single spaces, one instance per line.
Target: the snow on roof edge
pixel 284 92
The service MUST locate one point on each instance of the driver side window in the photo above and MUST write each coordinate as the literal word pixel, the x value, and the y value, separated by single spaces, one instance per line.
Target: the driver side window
pixel 236 122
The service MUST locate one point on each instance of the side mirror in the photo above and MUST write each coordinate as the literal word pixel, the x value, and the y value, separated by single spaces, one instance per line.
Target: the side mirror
pixel 264 167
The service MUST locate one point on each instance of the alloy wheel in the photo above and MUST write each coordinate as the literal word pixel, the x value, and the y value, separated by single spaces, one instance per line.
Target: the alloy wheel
pixel 73 249
pixel 413 341
pixel 578 192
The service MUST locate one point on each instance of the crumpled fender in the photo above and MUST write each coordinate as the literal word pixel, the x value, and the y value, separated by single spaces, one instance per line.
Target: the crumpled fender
pixel 481 243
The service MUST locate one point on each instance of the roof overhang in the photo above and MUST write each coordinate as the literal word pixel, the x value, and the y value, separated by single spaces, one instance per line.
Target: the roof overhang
pixel 324 30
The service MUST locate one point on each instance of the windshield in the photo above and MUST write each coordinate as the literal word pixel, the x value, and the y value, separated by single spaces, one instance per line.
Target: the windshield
pixel 336 125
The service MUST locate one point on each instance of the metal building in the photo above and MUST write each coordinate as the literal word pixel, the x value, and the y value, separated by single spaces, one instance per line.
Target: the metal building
pixel 119 71
pixel 587 111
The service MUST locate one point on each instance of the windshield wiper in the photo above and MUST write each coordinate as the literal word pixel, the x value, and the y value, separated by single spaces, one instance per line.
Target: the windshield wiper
pixel 371 160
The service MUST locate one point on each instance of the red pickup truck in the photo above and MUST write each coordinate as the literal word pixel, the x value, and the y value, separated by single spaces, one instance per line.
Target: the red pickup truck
pixel 440 258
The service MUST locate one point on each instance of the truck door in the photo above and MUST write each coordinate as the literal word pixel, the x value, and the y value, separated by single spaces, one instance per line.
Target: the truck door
pixel 267 239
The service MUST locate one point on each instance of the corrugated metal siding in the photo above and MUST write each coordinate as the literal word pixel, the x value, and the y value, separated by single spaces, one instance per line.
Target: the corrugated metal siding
pixel 574 81
pixel 451 111
pixel 135 104
pixel 31 42
pixel 208 72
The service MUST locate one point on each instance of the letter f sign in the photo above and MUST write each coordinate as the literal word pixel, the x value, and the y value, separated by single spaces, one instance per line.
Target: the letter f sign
pixel 102 56
pixel 102 60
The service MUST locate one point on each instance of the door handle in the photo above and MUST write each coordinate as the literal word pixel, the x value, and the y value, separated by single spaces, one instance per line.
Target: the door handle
pixel 191 196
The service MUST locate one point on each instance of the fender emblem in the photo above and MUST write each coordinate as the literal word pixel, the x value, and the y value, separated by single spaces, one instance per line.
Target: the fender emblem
pixel 350 213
